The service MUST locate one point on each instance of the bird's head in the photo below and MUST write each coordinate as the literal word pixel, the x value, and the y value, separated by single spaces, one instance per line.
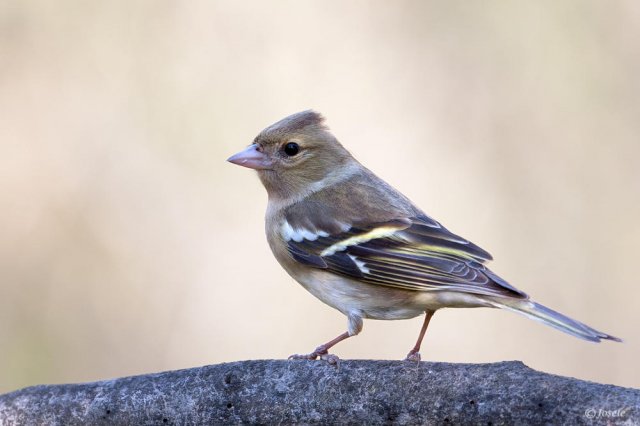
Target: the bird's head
pixel 294 154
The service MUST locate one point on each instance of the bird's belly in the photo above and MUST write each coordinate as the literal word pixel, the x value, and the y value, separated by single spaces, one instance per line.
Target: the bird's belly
pixel 365 300
pixel 353 297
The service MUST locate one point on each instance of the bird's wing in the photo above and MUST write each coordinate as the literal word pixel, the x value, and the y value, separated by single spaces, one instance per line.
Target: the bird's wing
pixel 415 253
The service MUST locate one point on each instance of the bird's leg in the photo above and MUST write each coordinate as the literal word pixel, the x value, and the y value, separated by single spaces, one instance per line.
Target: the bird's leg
pixel 414 354
pixel 322 351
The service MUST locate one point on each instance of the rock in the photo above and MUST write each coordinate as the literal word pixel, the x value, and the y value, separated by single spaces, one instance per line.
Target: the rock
pixel 355 392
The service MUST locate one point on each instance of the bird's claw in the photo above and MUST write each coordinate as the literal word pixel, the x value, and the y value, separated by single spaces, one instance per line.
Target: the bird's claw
pixel 321 353
pixel 331 359
pixel 310 356
pixel 413 357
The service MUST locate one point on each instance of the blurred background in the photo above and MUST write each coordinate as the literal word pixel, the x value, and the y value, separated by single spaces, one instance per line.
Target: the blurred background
pixel 128 245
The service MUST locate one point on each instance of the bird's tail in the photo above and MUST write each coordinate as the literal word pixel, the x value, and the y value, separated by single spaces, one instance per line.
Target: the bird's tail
pixel 538 312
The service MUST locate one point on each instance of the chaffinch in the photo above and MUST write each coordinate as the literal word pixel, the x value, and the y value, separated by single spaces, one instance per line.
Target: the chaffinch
pixel 362 247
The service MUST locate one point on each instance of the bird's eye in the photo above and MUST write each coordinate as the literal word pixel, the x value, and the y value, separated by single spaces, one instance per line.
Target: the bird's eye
pixel 291 149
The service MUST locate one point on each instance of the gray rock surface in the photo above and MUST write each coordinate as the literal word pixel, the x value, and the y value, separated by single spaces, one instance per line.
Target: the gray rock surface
pixel 356 392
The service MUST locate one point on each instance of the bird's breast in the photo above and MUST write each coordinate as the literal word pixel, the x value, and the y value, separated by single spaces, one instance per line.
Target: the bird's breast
pixel 349 296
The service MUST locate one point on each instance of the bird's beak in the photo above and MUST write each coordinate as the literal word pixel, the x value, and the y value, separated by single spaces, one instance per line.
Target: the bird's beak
pixel 252 158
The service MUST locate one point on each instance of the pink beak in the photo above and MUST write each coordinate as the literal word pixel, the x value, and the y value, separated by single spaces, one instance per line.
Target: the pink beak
pixel 252 158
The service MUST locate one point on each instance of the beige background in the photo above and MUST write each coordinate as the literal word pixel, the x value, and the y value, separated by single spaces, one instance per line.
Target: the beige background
pixel 128 245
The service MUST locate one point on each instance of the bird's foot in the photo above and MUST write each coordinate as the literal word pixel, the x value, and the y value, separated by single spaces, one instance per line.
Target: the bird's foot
pixel 413 356
pixel 310 356
pixel 320 352
pixel 331 359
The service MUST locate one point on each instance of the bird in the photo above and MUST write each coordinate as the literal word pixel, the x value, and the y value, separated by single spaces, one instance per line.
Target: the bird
pixel 362 247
